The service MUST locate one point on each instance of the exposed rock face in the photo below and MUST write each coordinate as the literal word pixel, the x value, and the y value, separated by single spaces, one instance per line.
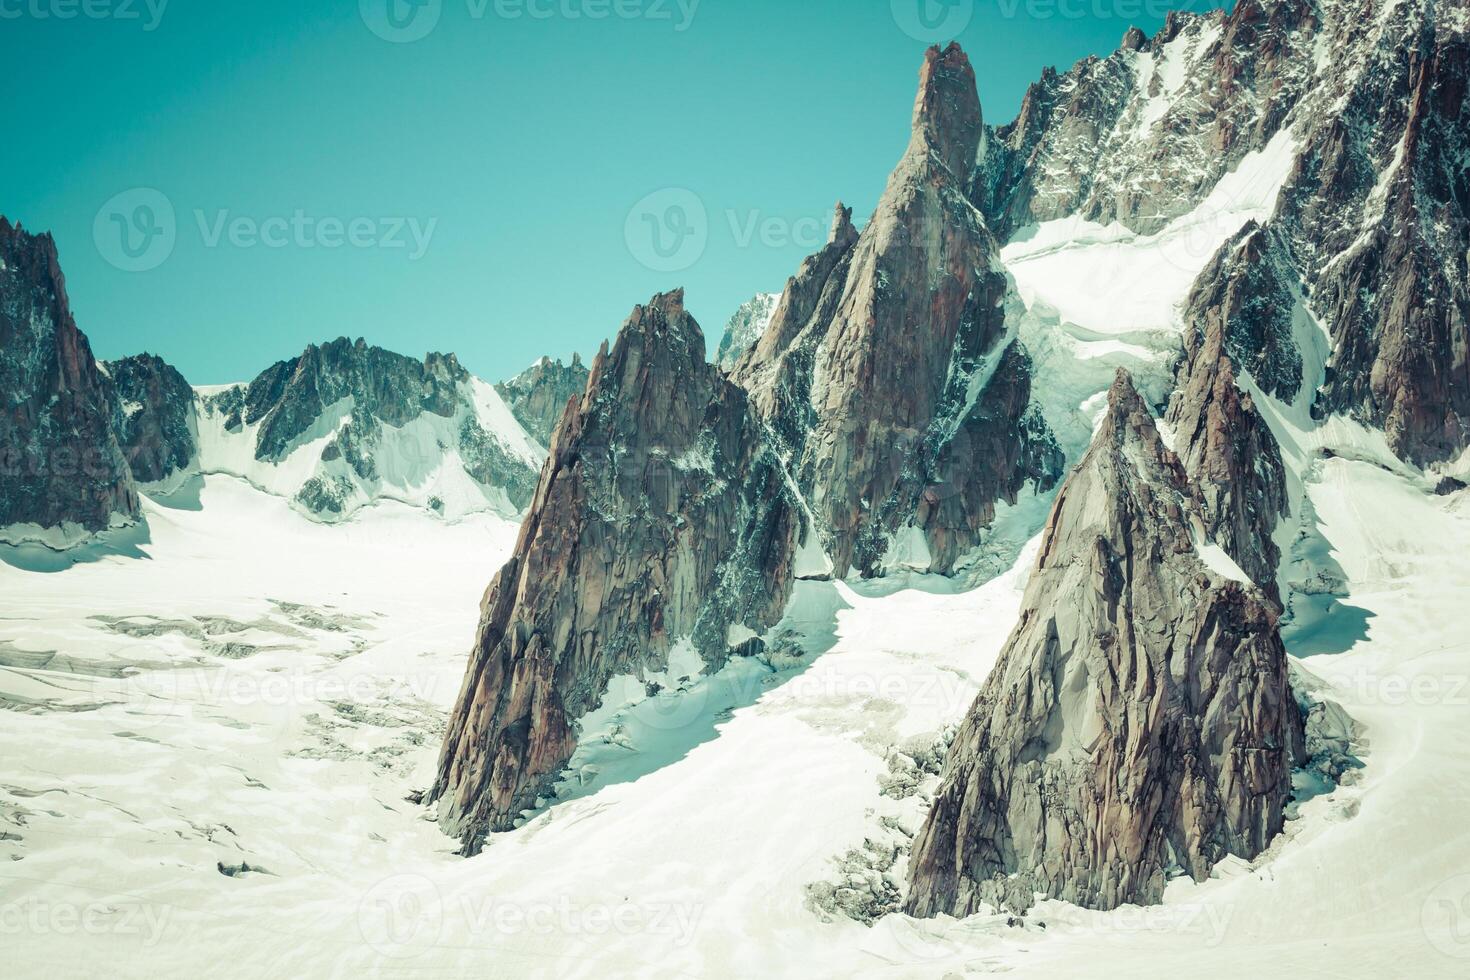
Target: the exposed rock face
pixel 1380 204
pixel 1241 308
pixel 424 432
pixel 1250 289
pixel 1142 136
pixel 745 328
pixel 62 472
pixel 890 372
pixel 538 396
pixel 289 397
pixel 1140 717
pixel 660 518
pixel 158 433
pixel 1367 100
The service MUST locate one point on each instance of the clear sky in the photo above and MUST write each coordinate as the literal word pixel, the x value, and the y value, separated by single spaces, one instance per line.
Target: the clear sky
pixel 504 186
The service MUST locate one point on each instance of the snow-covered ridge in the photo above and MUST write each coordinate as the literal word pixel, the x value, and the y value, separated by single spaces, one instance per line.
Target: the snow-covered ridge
pixel 460 452
pixel 746 327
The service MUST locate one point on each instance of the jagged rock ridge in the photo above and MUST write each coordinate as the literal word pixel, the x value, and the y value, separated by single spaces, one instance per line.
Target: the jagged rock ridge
pixel 1240 311
pixel 1367 102
pixel 63 475
pixel 538 396
pixel 382 425
pixel 746 327
pixel 660 519
pixel 158 430
pixel 891 373
pixel 1140 717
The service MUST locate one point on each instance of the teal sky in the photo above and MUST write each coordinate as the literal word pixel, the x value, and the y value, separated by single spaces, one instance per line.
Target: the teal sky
pixel 300 151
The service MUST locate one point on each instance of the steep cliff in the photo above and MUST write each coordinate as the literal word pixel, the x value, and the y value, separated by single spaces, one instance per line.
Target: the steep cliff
pixel 159 430
pixel 63 475
pixel 891 372
pixel 661 521
pixel 1138 720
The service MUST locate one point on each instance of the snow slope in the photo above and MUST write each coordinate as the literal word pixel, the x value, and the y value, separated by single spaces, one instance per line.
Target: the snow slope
pixel 420 463
pixel 696 832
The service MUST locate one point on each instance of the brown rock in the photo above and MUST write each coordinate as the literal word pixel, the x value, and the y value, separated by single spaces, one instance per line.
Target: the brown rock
pixel 1139 718
pixel 659 517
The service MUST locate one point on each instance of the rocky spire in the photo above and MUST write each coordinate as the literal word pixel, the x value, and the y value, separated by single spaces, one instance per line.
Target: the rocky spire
pixel 538 396
pixel 659 518
pixel 61 468
pixel 842 232
pixel 1241 309
pixel 891 372
pixel 158 430
pixel 1138 719
pixel 947 118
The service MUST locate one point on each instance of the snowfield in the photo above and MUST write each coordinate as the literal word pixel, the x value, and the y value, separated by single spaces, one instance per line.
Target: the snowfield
pixel 209 751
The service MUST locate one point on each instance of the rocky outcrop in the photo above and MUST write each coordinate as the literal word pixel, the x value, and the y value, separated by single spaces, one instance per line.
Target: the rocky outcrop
pixel 1142 136
pixel 1380 204
pixel 890 373
pixel 661 519
pixel 289 398
pixel 1241 309
pixel 158 431
pixel 1250 289
pixel 538 396
pixel 381 425
pixel 1138 721
pixel 1366 103
pixel 63 475
pixel 745 328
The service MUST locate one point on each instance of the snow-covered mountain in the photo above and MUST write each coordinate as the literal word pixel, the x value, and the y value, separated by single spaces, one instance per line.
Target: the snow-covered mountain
pixel 340 427
pixel 1160 211
pixel 346 424
pixel 746 327
pixel 538 396
pixel 1069 581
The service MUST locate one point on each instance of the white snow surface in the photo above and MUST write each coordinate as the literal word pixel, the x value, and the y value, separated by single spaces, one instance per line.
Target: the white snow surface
pixel 418 463
pixel 692 824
